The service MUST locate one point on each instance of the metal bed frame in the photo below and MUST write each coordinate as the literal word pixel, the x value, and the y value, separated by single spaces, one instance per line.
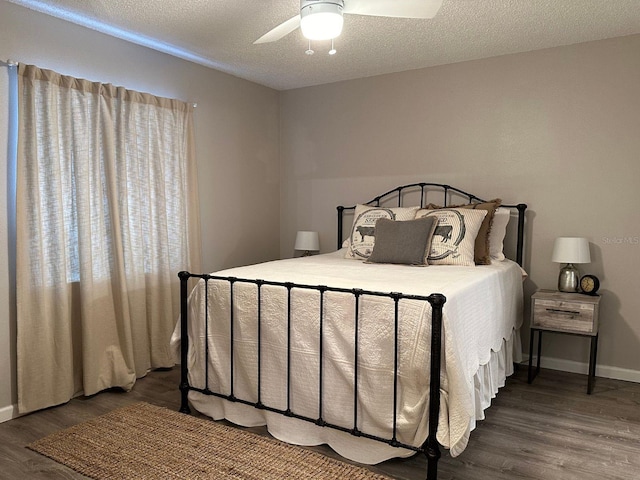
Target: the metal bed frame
pixel 431 447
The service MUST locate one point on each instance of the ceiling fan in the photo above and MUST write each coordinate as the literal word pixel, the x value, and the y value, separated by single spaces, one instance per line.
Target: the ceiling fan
pixel 322 19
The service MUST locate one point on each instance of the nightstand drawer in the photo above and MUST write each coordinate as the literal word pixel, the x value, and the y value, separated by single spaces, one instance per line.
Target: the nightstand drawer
pixel 566 316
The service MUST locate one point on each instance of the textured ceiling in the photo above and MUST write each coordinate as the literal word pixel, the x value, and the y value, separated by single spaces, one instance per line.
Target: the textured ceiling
pixel 220 33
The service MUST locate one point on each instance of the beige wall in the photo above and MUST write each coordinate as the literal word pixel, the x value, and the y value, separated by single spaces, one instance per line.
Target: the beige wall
pixel 236 141
pixel 558 129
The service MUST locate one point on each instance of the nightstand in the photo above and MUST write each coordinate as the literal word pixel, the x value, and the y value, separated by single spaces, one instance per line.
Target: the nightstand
pixel 569 313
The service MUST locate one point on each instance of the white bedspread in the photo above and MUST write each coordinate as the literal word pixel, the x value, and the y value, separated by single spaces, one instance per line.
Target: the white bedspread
pixel 484 306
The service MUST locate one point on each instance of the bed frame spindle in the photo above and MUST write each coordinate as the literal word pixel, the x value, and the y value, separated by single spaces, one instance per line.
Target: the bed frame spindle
pixel 232 282
pixel 396 300
pixel 320 420
pixel 259 293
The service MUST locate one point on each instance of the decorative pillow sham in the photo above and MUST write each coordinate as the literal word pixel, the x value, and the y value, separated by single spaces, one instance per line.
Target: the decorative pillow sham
pixel 482 247
pixel 498 232
pixel 362 238
pixel 455 235
pixel 405 243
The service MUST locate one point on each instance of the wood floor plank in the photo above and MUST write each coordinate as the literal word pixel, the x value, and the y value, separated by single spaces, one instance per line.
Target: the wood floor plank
pixel 549 430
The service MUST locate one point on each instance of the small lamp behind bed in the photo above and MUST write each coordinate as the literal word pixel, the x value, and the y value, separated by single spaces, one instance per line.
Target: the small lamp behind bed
pixel 570 250
pixel 307 242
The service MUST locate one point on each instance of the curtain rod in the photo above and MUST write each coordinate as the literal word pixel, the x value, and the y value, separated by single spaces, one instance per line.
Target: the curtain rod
pixel 11 63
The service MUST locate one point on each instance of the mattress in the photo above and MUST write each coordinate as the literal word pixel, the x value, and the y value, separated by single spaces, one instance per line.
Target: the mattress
pixel 481 319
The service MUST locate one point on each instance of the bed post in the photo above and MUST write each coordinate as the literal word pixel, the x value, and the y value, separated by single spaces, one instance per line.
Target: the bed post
pixel 184 343
pixel 340 212
pixel 431 446
pixel 520 245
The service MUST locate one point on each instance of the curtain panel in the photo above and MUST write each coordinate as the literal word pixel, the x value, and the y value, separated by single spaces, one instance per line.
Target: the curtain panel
pixel 107 214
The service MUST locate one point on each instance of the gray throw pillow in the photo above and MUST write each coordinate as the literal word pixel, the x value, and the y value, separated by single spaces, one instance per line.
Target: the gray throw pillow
pixel 403 242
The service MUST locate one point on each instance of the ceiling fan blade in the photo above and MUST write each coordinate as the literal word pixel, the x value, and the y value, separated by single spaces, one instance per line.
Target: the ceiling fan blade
pixel 393 8
pixel 280 31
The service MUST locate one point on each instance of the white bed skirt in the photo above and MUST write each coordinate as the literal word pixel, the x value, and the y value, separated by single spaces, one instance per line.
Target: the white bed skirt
pixel 488 380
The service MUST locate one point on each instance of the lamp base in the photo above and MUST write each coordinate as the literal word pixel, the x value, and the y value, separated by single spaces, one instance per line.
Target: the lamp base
pixel 569 279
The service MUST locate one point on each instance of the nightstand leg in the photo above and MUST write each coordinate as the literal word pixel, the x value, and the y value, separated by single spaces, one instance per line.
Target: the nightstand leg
pixel 592 363
pixel 539 351
pixel 531 374
pixel 529 371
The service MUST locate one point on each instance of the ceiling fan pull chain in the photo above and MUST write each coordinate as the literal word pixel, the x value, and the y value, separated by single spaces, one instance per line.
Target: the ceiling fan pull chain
pixel 310 51
pixel 333 49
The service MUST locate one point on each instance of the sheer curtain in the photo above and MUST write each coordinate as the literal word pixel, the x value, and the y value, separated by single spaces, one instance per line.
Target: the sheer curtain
pixel 107 214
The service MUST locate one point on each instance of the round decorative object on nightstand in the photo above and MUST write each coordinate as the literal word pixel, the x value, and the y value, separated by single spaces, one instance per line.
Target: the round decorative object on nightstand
pixel 589 284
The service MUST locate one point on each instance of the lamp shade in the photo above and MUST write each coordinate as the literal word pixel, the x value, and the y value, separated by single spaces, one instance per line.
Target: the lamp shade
pixel 571 250
pixel 307 241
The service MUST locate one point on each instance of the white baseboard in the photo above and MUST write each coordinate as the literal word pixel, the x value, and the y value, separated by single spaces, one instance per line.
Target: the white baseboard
pixel 8 413
pixel 581 367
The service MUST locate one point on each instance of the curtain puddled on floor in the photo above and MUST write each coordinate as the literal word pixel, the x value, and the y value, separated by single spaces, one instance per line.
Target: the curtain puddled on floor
pixel 107 214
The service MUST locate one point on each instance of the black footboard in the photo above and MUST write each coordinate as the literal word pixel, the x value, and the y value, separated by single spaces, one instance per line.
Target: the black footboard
pixel 430 448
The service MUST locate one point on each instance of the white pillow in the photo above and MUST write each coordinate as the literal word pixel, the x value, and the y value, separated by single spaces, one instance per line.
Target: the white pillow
pixel 498 232
pixel 362 238
pixel 455 235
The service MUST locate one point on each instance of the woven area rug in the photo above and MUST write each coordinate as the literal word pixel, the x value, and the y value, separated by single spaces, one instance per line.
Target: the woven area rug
pixel 142 441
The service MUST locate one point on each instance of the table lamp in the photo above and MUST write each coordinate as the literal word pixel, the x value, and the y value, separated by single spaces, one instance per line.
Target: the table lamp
pixel 307 242
pixel 570 250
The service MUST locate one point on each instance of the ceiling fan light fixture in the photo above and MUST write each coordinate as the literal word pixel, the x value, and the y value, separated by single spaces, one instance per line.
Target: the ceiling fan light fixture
pixel 321 20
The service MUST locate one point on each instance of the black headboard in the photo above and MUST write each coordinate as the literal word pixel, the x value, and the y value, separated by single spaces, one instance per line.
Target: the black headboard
pixel 444 195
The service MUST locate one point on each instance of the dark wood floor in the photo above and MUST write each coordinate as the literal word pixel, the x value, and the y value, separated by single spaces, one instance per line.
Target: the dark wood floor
pixel 548 430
